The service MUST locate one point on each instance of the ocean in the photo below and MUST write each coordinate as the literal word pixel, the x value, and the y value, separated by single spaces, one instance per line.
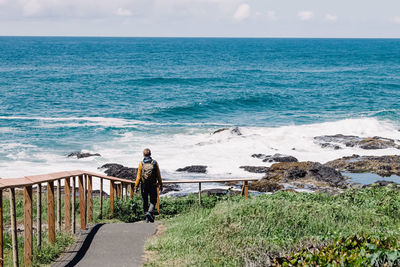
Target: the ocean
pixel 116 96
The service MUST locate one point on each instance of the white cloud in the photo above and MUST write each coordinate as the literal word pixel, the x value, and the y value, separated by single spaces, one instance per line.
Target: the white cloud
pixel 242 12
pixel 271 15
pixel 396 20
pixel 123 12
pixel 330 17
pixel 305 15
pixel 3 2
pixel 31 7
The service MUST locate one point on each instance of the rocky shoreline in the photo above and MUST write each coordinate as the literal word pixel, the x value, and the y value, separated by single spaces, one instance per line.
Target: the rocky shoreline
pixel 288 173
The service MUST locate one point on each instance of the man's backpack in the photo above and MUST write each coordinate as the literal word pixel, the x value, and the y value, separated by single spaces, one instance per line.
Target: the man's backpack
pixel 149 173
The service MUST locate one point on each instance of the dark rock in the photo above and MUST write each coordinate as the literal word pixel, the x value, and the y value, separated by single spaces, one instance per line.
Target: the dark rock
pixel 236 131
pixel 334 141
pixel 220 130
pixel 120 171
pixel 80 155
pixel 255 169
pixel 382 183
pixel 193 168
pixel 170 188
pixel 313 173
pixel 275 158
pixel 382 165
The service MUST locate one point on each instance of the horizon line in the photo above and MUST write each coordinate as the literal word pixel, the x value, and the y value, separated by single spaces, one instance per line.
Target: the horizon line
pixel 196 37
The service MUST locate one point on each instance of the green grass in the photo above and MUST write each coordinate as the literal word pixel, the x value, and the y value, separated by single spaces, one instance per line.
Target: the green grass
pixel 237 232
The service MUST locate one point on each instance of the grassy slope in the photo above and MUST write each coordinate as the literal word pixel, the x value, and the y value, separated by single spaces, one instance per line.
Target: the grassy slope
pixel 237 232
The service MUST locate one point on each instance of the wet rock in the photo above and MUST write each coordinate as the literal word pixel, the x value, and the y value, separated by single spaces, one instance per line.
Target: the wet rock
pixel 382 183
pixel 235 131
pixel 120 171
pixel 275 158
pixel 170 188
pixel 339 140
pixel 255 169
pixel 80 155
pixel 312 173
pixel 220 130
pixel 381 165
pixel 194 169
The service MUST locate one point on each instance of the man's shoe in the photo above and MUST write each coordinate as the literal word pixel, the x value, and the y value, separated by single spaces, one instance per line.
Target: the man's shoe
pixel 149 217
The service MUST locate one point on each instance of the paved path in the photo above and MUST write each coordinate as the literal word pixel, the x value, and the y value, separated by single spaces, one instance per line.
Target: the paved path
pixel 117 244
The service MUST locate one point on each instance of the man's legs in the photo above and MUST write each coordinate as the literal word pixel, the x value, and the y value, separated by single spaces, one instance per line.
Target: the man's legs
pixel 153 199
pixel 145 198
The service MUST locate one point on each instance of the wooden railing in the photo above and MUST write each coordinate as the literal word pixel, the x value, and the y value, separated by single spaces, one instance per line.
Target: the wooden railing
pixel 118 189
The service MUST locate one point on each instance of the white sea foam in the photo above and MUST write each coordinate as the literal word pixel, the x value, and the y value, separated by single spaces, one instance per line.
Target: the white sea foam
pixel 223 152
pixel 54 122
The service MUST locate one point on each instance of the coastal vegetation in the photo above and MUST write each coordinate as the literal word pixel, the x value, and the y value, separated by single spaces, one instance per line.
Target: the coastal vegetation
pixel 47 252
pixel 358 227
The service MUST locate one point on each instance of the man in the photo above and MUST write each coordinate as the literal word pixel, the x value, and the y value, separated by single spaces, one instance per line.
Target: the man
pixel 149 177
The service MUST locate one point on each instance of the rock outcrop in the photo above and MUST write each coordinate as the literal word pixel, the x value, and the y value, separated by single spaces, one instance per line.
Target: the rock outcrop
pixel 80 155
pixel 120 171
pixel 255 169
pixel 381 165
pixel 193 169
pixel 275 158
pixel 339 141
pixel 234 130
pixel 312 173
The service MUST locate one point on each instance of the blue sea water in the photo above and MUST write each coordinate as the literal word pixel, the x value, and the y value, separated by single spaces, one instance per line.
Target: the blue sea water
pixel 116 96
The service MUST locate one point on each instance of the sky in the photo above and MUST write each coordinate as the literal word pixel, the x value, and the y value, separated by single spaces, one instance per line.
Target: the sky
pixel 201 18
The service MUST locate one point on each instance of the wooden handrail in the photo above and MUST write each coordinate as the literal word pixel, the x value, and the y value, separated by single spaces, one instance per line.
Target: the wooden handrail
pixel 118 189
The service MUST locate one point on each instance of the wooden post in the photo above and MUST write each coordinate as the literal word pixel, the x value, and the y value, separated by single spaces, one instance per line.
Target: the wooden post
pixel 246 190
pixel 50 212
pixel 67 204
pixel 28 226
pixel 90 200
pixel 82 202
pixel 85 187
pixel 112 192
pixel 73 205
pixel 118 190
pixel 199 193
pixel 39 216
pixel 101 199
pixel 59 205
pixel 132 191
pixel 1 230
pixel 13 227
pixel 158 200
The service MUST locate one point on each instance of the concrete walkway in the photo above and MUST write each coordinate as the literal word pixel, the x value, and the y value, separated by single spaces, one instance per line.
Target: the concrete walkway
pixel 117 244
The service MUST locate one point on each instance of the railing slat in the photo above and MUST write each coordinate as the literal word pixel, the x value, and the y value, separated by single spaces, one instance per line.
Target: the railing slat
pixel 59 205
pixel 13 228
pixel 82 202
pixel 90 200
pixel 73 204
pixel 112 193
pixel 101 199
pixel 28 226
pixel 50 213
pixel 67 204
pixel 199 193
pixel 1 230
pixel 39 216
